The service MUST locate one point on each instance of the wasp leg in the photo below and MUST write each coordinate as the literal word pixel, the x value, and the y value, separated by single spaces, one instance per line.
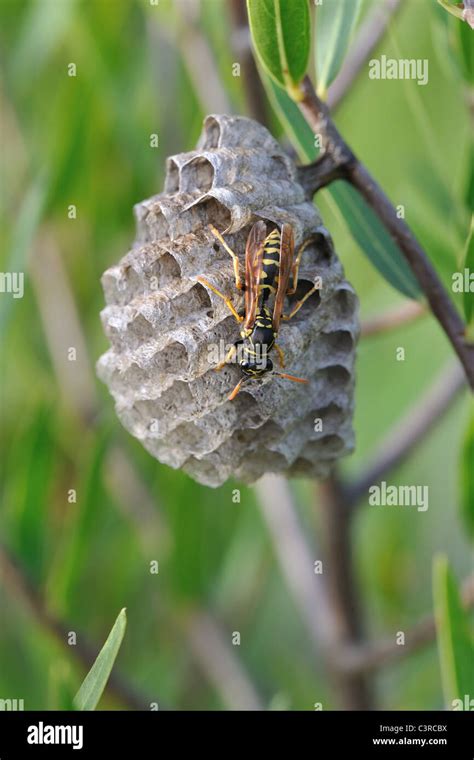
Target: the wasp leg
pixel 228 357
pixel 296 265
pixel 300 303
pixel 228 302
pixel 235 259
pixel 281 355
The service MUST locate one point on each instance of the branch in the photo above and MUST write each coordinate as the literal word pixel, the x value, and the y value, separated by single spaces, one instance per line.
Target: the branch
pixel 216 657
pixel 409 311
pixel 407 433
pixel 296 560
pixel 322 611
pixel 198 59
pixel 343 161
pixel 343 590
pixel 367 39
pixel 20 587
pixel 380 653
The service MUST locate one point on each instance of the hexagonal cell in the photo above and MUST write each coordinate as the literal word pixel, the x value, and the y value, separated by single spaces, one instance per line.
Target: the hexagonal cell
pixel 197 174
pixel 335 375
pixel 311 303
pixel 153 227
pixel 324 247
pixel 345 302
pixel 280 168
pixel 210 208
pixel 339 341
pixel 172 176
pixel 211 135
pixel 163 271
pixel 325 448
pixel 173 359
pixel 266 433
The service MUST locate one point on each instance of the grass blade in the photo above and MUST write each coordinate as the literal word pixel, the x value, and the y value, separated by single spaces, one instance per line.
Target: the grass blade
pixel 456 651
pixel 88 696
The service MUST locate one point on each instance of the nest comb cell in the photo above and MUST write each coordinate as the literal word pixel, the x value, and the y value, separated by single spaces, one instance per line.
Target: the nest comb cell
pixel 165 327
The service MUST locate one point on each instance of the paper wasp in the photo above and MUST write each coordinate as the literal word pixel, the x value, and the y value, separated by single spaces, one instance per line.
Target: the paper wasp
pixel 269 263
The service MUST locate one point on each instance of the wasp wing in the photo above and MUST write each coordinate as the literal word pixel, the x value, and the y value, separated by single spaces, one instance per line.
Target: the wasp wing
pixel 253 269
pixel 287 249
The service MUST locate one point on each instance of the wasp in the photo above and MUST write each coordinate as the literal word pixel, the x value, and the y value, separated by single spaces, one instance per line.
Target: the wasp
pixel 270 263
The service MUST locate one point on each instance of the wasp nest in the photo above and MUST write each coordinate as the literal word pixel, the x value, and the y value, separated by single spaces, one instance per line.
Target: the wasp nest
pixel 167 331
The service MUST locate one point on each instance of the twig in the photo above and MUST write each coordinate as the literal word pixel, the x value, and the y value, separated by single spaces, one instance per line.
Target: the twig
pixel 20 587
pixel 344 162
pixel 369 35
pixel 253 88
pixel 343 589
pixel 409 311
pixel 297 560
pixel 199 60
pixel 62 329
pixel 381 653
pixel 322 611
pixel 407 433
pixel 221 666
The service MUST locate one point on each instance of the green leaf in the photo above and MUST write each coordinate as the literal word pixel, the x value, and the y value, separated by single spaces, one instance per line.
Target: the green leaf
pixel 373 239
pixel 465 50
pixel 88 696
pixel 453 9
pixel 292 120
pixel 335 22
pixel 469 190
pixel 467 476
pixel 281 33
pixel 455 647
pixel 366 229
pixel 468 259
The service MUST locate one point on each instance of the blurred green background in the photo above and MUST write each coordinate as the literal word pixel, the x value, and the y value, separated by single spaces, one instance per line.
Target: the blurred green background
pixel 85 140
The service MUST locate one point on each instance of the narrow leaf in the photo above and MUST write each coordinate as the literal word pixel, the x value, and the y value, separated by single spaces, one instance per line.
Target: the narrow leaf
pixel 465 50
pixel 88 696
pixel 281 33
pixel 453 9
pixel 335 22
pixel 455 647
pixel 467 477
pixel 373 239
pixel 366 229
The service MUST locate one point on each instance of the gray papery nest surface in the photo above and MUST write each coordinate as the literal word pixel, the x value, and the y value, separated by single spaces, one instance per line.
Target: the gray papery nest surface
pixel 164 326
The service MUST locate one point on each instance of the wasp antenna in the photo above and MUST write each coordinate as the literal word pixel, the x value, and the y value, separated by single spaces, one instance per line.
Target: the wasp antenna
pixel 236 390
pixel 291 377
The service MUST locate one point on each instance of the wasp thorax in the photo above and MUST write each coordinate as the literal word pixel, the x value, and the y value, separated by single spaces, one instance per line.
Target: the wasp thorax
pixel 180 296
